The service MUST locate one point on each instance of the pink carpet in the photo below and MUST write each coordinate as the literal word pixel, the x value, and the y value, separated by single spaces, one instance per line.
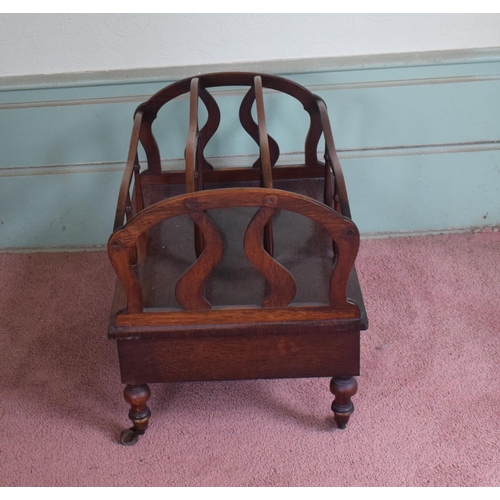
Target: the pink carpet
pixel 427 409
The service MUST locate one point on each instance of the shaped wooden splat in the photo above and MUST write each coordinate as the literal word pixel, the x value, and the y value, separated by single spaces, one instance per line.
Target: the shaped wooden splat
pixel 252 128
pixel 189 288
pixel 281 282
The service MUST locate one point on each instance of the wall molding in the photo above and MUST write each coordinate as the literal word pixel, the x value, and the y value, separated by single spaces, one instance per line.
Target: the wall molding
pixel 430 232
pixel 364 237
pixel 245 160
pixel 281 66
pixel 139 98
pixel 71 168
pixel 418 138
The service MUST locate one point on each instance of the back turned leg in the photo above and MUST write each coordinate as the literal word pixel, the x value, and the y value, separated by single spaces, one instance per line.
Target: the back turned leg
pixel 136 396
pixel 343 388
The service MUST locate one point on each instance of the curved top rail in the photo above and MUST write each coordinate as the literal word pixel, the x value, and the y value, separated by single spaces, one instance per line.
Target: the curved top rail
pixel 132 161
pixel 192 136
pixel 209 80
pixel 340 229
pixel 332 158
pixel 151 107
pixel 265 156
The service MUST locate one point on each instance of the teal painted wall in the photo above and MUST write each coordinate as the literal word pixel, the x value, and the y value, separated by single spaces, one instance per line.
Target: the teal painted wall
pixel 419 145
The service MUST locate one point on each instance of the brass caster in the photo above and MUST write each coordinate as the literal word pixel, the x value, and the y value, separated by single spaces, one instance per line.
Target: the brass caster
pixel 129 437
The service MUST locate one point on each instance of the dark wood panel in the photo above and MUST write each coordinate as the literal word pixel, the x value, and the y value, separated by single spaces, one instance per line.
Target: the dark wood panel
pixel 236 174
pixel 235 358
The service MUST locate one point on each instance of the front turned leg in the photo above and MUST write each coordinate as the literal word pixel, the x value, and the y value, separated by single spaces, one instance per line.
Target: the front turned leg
pixel 136 396
pixel 343 388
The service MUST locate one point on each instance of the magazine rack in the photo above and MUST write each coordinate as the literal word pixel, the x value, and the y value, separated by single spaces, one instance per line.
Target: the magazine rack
pixel 234 273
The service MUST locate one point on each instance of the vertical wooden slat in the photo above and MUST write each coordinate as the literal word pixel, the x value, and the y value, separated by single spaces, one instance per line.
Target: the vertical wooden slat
pixel 313 135
pixel 128 206
pixel 266 176
pixel 328 193
pixel 193 172
pixel 138 197
pixel 252 128
pixel 332 160
pixel 265 156
pixel 150 145
pixel 192 137
pixel 124 195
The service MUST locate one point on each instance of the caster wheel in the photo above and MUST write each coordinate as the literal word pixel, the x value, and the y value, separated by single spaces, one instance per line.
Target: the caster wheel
pixel 129 437
pixel 341 421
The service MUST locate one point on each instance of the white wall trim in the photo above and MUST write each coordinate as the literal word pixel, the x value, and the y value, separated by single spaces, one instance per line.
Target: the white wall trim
pixel 140 98
pixel 364 236
pixel 430 232
pixel 281 66
pixel 245 160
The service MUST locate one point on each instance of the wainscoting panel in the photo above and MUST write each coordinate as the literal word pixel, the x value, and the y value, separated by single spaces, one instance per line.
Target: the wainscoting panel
pixel 418 137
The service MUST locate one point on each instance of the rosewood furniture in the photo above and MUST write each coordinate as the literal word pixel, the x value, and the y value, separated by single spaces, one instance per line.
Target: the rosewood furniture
pixel 234 273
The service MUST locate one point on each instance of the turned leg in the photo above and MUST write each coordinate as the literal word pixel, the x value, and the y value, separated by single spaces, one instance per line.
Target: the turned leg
pixel 343 388
pixel 136 396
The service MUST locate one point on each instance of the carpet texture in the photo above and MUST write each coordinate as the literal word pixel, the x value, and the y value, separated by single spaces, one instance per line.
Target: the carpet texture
pixel 427 408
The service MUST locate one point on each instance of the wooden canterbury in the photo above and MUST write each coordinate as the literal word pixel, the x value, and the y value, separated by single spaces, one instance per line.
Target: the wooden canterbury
pixel 234 273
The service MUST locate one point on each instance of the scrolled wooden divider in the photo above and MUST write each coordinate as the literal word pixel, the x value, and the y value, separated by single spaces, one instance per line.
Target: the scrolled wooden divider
pixel 282 283
pixel 189 289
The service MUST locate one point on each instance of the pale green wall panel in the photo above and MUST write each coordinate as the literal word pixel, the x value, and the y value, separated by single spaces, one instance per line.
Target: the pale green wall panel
pixel 382 74
pixel 76 137
pixel 415 193
pixel 362 118
pixel 412 115
pixel 65 134
pixel 57 210
pixel 424 192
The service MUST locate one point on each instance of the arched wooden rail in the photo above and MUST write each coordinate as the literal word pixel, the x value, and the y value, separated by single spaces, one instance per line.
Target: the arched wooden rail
pixel 189 289
pixel 150 108
pixel 334 195
pixel 198 167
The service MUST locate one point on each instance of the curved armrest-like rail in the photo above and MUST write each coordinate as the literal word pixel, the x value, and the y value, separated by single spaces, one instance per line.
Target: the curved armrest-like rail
pixel 124 207
pixel 332 162
pixel 189 288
